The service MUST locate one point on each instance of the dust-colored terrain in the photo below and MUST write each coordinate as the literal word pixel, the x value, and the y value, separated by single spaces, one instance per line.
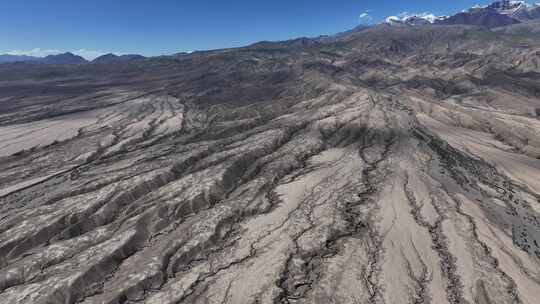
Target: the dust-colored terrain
pixel 388 165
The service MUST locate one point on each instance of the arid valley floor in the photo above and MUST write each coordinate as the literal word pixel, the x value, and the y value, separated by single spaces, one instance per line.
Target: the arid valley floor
pixel 383 165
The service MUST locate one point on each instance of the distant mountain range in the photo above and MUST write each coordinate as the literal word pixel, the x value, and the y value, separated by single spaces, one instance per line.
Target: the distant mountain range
pixel 497 14
pixel 65 58
pixel 16 58
pixel 68 59
pixel 508 16
pixel 112 58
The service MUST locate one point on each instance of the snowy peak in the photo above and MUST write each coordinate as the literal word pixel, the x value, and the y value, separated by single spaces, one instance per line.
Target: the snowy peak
pixel 520 10
pixel 507 6
pixel 496 14
pixel 414 19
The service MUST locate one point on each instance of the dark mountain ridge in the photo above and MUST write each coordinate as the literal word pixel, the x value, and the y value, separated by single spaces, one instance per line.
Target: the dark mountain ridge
pixel 113 58
pixel 65 58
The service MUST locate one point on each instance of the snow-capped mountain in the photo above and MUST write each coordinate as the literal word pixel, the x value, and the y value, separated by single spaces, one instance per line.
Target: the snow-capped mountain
pixel 414 19
pixel 524 11
pixel 507 5
pixel 496 14
pixel 520 10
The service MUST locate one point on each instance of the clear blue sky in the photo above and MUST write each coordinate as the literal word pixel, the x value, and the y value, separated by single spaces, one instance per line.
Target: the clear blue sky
pixel 168 26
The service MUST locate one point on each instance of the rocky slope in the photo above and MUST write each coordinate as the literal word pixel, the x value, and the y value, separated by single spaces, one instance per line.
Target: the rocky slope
pixel 387 165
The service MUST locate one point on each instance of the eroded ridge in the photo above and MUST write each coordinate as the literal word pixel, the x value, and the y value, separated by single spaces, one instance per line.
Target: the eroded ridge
pixel 343 180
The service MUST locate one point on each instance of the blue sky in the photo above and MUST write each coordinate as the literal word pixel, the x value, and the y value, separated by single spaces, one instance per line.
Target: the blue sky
pixel 39 27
